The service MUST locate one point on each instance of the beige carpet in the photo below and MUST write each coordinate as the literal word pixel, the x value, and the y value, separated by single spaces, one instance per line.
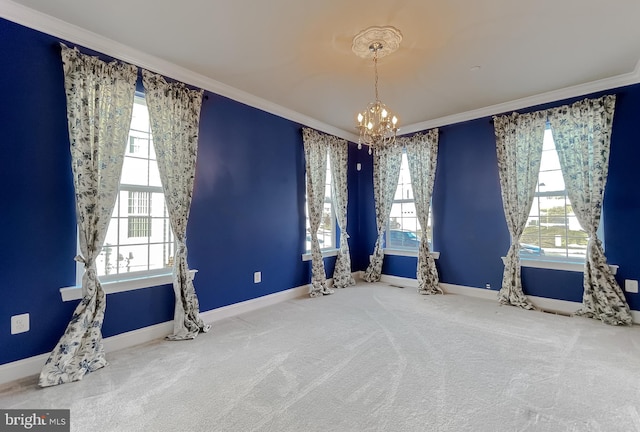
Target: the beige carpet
pixel 368 358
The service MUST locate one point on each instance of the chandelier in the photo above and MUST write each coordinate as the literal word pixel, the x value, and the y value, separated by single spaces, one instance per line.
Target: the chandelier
pixel 377 124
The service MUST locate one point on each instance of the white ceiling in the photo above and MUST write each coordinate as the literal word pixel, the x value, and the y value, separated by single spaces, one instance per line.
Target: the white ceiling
pixel 296 54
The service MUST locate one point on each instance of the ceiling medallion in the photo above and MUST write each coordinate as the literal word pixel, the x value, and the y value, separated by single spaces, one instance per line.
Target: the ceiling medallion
pixel 388 37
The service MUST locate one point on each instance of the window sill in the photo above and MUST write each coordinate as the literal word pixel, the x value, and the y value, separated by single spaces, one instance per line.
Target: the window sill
pixel 558 265
pixel 408 253
pixel 325 253
pixel 75 292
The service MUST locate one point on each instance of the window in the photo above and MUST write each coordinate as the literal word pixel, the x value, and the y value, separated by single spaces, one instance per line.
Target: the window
pixel 138 222
pixel 139 241
pixel 552 231
pixel 134 145
pixel 327 230
pixel 404 230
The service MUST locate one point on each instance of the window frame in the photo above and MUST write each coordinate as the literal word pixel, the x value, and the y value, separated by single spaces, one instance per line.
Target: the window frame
pixel 410 252
pixel 568 263
pixel 335 237
pixel 126 281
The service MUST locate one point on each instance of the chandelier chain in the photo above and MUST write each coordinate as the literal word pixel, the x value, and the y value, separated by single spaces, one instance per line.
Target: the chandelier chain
pixel 375 67
pixel 377 124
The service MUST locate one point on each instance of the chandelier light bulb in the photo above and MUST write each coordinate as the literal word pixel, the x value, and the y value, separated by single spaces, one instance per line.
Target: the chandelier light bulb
pixel 370 126
pixel 360 118
pixel 394 120
pixel 384 113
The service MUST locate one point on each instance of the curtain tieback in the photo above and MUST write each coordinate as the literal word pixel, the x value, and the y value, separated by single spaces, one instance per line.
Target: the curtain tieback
pixel 81 259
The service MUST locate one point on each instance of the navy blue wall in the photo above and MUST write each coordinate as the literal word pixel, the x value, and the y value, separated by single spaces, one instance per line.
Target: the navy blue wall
pixel 363 234
pixel 470 231
pixel 248 206
pixel 247 213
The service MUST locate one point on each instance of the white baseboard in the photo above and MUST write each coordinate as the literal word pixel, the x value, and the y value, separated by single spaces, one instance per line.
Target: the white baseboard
pixel 546 304
pixel 31 366
pixel 214 315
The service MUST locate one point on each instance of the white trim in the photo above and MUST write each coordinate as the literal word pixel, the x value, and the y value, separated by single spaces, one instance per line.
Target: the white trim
pixel 257 303
pixel 621 80
pixel 408 253
pixel 30 366
pixel 469 291
pixel 325 253
pixel 399 281
pixel 77 35
pixel 75 292
pixel 66 31
pixel 400 252
pixel 543 303
pixel 558 265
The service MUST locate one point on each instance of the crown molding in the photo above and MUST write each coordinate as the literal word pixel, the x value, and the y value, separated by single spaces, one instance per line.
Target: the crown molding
pixel 61 29
pixel 55 27
pixel 542 98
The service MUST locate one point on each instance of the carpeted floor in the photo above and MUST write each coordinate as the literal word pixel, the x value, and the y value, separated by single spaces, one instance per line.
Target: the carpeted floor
pixel 368 358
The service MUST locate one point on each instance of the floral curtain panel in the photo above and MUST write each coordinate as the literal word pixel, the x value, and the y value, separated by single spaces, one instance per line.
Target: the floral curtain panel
pixel 582 134
pixel 174 113
pixel 99 107
pixel 315 154
pixel 386 171
pixel 338 153
pixel 422 155
pixel 519 139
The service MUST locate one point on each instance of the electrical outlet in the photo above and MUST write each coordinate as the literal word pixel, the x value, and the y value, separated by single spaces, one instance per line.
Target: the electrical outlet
pixel 20 323
pixel 488 286
pixel 257 277
pixel 631 286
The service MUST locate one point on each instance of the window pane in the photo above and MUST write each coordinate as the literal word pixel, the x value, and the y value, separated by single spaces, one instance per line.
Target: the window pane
pixel 152 150
pixel 395 216
pixel 139 216
pixel 106 262
pixel 548 143
pixel 140 117
pixel 158 208
pixel 112 232
pixel 326 231
pixel 531 233
pixel 138 144
pixel 574 225
pixel 154 174
pixel 160 256
pixel 404 231
pixel 535 207
pixel 552 229
pixel 133 259
pixel 549 161
pixel 139 227
pixel 160 230
pixel 122 204
pixel 124 226
pixel 135 171
pixel 550 181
